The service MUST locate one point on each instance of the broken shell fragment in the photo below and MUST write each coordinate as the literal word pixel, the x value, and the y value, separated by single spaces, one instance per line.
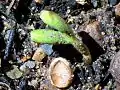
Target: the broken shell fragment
pixel 60 73
pixel 39 55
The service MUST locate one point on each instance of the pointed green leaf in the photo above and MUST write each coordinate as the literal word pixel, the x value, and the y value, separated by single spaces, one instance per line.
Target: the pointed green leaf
pixel 50 37
pixel 56 37
pixel 55 21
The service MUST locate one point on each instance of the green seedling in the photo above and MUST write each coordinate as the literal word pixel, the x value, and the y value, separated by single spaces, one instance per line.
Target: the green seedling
pixel 64 35
pixel 57 37
pixel 55 21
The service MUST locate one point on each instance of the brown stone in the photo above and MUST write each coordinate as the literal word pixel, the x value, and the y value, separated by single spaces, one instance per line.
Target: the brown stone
pixel 93 29
pixel 39 1
pixel 117 86
pixel 39 55
pixel 115 67
pixel 117 9
pixel 25 58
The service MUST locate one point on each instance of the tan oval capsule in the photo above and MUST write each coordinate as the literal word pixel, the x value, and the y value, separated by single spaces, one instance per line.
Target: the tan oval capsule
pixel 39 55
pixel 60 73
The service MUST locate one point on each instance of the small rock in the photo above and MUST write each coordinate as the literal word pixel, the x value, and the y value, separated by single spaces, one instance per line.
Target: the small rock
pixel 117 9
pixel 98 87
pixel 25 58
pixel 38 1
pixel 115 67
pixel 24 69
pixel 82 2
pixel 30 64
pixel 112 2
pixel 47 48
pixel 14 73
pixel 39 55
pixel 95 3
pixel 94 31
pixel 33 83
pixel 27 65
pixel 117 86
pixel 113 48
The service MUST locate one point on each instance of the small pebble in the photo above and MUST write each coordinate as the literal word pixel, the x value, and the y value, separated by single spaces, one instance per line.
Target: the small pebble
pixel 98 87
pixel 117 9
pixel 23 68
pixel 25 58
pixel 95 3
pixel 115 67
pixel 47 49
pixel 38 1
pixel 94 30
pixel 103 33
pixel 82 2
pixel 39 55
pixel 27 65
pixel 112 2
pixel 30 64
pixel 113 48
pixel 33 83
pixel 14 73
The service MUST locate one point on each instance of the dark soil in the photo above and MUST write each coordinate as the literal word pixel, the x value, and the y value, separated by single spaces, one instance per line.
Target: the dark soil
pixel 15 42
